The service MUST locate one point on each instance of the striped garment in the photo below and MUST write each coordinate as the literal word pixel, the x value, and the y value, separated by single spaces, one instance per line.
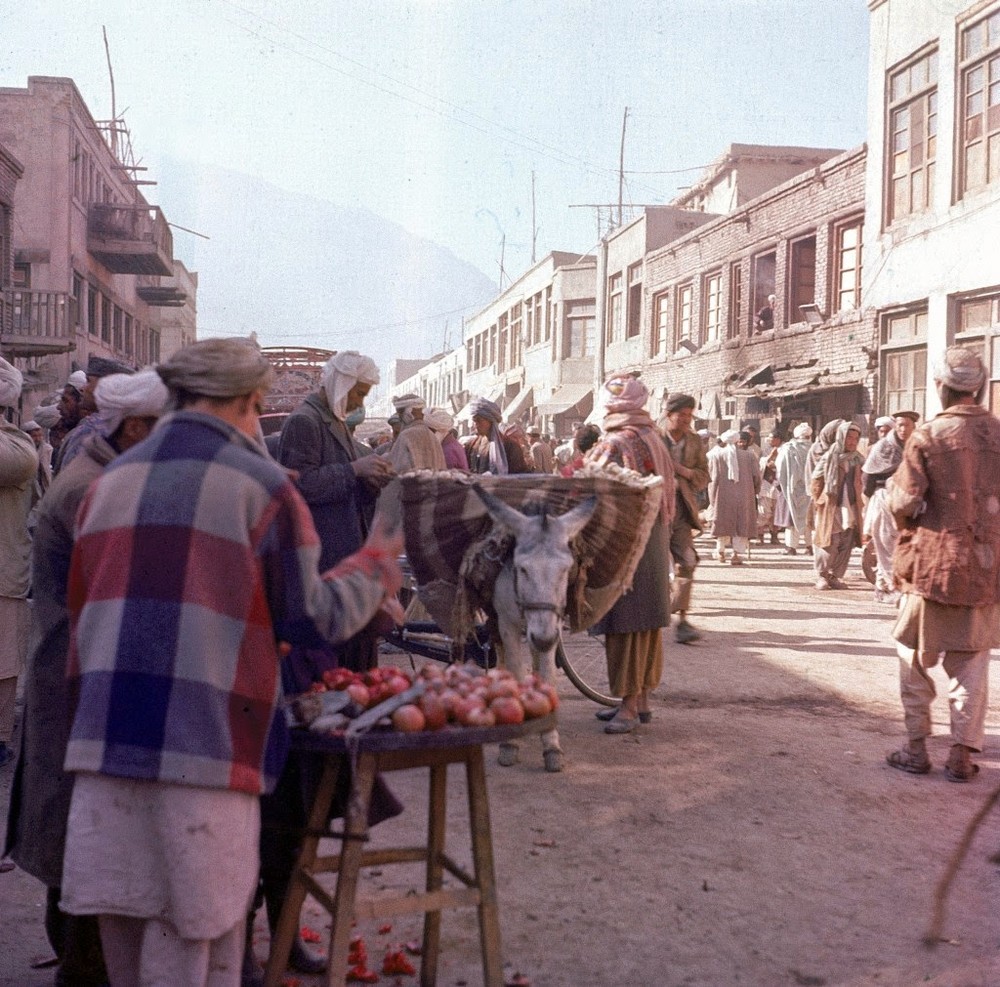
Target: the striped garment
pixel 194 556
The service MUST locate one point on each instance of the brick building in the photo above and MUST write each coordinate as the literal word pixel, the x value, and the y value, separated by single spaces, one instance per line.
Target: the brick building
pixel 815 358
pixel 10 171
pixel 93 265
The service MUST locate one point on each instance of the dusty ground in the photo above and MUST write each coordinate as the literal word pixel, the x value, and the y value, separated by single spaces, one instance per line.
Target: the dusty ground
pixel 752 834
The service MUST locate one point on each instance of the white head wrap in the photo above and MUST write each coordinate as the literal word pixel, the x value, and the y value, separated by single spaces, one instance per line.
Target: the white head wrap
pixel 11 381
pixel 802 431
pixel 406 404
pixel 341 373
pixel 961 370
pixel 730 453
pixel 440 421
pixel 31 426
pixel 47 415
pixel 121 396
pixel 77 379
pixel 883 422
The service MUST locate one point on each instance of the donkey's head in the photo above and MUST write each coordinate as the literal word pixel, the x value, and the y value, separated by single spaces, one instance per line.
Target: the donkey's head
pixel 541 563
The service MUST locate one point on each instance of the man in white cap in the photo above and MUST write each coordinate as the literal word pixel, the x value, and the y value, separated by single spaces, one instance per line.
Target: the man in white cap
pixel 194 557
pixel 36 823
pixel 883 426
pixel 18 467
pixel 944 497
pixel 416 448
pixel 882 461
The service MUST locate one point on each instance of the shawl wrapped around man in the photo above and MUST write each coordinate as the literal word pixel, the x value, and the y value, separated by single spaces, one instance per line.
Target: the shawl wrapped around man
pixel 631 433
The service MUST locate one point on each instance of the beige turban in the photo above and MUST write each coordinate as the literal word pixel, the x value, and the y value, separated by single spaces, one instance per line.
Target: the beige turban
pixel 405 401
pixel 803 431
pixel 121 396
pixel 217 368
pixel 47 415
pixel 961 370
pixel 11 381
pixel 439 420
pixel 341 373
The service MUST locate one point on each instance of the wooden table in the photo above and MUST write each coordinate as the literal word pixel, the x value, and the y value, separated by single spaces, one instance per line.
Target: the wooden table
pixel 385 751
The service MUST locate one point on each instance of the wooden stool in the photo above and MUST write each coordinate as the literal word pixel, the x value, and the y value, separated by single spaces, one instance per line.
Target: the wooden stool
pixel 384 752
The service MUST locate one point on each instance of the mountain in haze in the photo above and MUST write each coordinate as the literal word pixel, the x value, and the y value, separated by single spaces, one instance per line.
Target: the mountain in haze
pixel 301 271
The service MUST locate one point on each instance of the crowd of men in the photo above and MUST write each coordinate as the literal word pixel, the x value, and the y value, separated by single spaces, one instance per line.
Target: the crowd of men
pixel 184 575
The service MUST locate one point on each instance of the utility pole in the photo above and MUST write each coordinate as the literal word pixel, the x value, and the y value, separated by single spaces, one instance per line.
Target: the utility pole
pixel 114 114
pixel 621 168
pixel 503 247
pixel 534 227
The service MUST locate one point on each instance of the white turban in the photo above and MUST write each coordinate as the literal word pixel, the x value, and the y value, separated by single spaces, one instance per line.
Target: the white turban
pixel 961 370
pixel 77 379
pixel 11 381
pixel 47 415
pixel 405 401
pixel 802 431
pixel 31 426
pixel 341 373
pixel 439 420
pixel 121 396
pixel 883 422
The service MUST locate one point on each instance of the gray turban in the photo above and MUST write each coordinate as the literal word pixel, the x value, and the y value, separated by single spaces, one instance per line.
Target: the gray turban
pixel 47 415
pixel 961 370
pixel 487 409
pixel 217 368
pixel 121 396
pixel 30 427
pixel 11 381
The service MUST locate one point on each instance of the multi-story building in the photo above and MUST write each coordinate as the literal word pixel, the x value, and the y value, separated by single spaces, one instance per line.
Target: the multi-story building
pixel 759 313
pixel 93 265
pixel 933 191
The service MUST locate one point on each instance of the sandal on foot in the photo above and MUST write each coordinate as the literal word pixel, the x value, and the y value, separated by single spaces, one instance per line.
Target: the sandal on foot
pixel 646 716
pixel 607 714
pixel 621 724
pixel 903 760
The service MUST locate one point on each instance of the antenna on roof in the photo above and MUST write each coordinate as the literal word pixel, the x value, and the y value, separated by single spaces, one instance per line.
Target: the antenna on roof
pixel 113 135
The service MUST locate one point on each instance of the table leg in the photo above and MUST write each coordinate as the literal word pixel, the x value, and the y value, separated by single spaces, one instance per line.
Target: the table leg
pixel 436 810
pixel 351 853
pixel 482 856
pixel 288 922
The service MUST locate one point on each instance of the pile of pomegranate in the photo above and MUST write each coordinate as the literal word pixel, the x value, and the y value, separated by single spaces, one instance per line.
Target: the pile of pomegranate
pixel 454 695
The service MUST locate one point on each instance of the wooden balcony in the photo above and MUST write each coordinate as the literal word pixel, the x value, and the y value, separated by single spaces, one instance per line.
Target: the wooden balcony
pixel 42 323
pixel 130 239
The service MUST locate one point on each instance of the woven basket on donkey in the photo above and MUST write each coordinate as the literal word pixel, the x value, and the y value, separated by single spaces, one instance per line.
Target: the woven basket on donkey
pixel 455 554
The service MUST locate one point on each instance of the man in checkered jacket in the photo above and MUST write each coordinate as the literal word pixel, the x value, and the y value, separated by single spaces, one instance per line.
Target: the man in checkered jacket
pixel 195 557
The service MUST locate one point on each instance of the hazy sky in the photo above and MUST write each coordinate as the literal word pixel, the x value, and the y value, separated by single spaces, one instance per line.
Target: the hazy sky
pixel 435 114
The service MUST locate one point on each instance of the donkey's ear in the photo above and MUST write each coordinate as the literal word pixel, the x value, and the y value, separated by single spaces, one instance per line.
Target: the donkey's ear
pixel 575 521
pixel 501 513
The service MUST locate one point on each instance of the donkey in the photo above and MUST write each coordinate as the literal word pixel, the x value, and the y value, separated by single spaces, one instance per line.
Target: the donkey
pixel 529 597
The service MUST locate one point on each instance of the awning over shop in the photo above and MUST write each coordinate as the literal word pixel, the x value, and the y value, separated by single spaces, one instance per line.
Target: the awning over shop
pixel 709 405
pixel 521 403
pixel 568 398
pixel 764 374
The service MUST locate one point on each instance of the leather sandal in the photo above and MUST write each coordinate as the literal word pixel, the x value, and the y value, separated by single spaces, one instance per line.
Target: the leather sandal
pixel 621 724
pixel 960 767
pixel 913 764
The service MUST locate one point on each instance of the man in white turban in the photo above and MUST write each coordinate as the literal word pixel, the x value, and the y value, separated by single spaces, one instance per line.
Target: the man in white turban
pixel 443 424
pixel 945 502
pixel 36 826
pixel 18 468
pixel 790 470
pixel 734 482
pixel 416 448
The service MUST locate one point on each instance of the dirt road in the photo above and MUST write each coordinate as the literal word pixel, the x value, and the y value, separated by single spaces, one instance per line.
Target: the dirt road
pixel 751 834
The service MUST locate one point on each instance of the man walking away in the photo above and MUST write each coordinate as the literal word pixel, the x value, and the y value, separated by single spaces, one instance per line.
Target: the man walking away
pixel 946 503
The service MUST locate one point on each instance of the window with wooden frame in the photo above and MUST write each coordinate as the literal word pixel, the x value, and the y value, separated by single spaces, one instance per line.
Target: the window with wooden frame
pixel 580 328
pixel 634 316
pixel 735 324
pixel 904 362
pixel 712 307
pixel 684 316
pixel 979 109
pixel 516 339
pixel 116 329
pixel 847 248
pixel 911 136
pixel 548 314
pixel 539 335
pixel 801 276
pixel 763 271
pixel 92 306
pixel 614 329
pixel 502 350
pixel 661 322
